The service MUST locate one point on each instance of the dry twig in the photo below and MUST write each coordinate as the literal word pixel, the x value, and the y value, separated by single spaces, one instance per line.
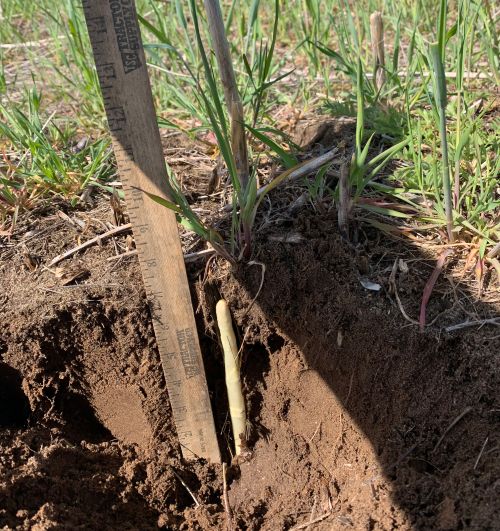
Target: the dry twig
pixel 320 518
pixel 466 411
pixel 89 243
pixel 196 502
pixel 225 497
pixel 263 266
pixel 480 453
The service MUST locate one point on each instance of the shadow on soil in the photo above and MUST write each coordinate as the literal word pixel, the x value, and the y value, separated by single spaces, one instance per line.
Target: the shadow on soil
pixel 14 405
pixel 427 403
pixel 60 482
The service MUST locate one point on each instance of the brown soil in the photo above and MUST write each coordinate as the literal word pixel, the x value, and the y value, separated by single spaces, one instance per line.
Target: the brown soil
pixel 353 403
pixel 356 419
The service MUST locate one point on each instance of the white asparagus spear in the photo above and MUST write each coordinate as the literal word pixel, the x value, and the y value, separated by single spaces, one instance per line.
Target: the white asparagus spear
pixel 232 369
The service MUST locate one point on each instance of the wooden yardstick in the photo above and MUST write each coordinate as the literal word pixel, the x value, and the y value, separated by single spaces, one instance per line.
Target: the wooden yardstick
pixel 126 90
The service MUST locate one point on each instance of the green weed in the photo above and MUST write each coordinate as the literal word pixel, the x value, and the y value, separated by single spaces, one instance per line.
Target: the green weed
pixel 40 160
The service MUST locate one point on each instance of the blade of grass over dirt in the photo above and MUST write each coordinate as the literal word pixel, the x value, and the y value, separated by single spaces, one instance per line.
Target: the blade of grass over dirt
pixel 45 161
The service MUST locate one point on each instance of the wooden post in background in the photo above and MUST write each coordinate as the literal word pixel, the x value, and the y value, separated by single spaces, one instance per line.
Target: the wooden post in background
pixel 377 36
pixel 231 94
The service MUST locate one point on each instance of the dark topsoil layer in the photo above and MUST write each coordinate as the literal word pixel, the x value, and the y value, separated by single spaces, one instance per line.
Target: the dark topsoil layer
pixel 357 420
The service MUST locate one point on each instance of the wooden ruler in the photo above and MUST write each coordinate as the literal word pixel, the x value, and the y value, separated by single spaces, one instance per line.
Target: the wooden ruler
pixel 126 90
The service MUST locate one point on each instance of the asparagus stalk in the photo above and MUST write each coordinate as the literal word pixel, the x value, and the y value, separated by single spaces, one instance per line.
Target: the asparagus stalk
pixel 232 370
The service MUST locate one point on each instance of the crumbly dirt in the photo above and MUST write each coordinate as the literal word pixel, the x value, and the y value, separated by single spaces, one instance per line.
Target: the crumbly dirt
pixel 356 420
pixel 353 402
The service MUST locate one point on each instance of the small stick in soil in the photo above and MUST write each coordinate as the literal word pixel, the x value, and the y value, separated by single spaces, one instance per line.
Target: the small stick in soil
pixel 377 35
pixel 466 411
pixel 318 427
pixel 225 497
pixel 242 346
pixel 350 390
pixel 260 286
pixel 89 243
pixel 196 502
pixel 320 518
pixel 480 453
pixel 394 290
pixel 127 254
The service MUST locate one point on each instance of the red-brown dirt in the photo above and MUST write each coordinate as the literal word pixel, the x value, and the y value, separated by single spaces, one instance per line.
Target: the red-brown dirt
pixel 353 413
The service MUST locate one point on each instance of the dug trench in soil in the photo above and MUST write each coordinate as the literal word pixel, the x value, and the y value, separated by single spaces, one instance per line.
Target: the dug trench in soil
pixel 348 405
pixel 86 435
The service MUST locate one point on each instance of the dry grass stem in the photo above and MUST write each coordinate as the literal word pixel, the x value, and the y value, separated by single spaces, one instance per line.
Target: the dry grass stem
pixel 113 232
pixel 480 453
pixel 190 492
pixel 454 423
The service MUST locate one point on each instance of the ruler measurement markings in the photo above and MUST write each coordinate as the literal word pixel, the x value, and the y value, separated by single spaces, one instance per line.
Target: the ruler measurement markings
pixel 129 108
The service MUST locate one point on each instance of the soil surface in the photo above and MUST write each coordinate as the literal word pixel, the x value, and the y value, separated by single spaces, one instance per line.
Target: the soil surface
pixel 356 419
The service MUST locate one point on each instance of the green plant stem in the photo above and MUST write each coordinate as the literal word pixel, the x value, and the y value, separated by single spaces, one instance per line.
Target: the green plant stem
pixel 456 183
pixel 440 95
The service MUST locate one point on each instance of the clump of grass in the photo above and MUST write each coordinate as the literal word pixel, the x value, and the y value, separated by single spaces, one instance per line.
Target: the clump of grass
pixel 230 136
pixel 40 160
pixel 470 209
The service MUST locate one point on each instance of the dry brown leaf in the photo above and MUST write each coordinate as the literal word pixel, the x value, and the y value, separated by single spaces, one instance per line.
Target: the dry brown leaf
pixel 70 273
